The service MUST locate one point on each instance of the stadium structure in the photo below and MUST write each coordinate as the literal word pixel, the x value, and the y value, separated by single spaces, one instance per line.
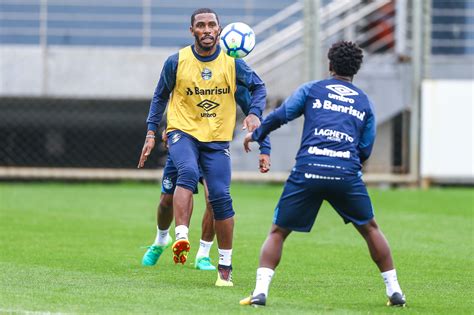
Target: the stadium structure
pixel 76 79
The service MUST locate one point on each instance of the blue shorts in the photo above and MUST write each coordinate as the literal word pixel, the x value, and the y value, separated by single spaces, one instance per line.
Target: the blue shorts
pixel 304 193
pixel 191 156
pixel 170 175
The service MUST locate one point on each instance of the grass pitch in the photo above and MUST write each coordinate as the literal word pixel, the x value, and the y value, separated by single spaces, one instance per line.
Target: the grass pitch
pixel 76 248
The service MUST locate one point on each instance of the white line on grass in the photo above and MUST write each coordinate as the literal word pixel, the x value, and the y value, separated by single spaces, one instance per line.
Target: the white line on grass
pixel 11 311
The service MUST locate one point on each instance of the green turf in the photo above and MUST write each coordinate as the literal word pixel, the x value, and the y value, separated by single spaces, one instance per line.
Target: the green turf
pixel 76 248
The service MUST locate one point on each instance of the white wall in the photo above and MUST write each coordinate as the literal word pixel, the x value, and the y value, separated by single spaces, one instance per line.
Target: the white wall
pixel 82 72
pixel 447 132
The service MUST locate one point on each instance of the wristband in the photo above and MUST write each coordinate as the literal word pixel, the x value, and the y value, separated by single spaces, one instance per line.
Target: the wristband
pixel 150 136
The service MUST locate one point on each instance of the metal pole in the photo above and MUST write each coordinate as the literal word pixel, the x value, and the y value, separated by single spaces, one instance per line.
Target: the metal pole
pixel 417 62
pixel 401 27
pixel 43 37
pixel 317 40
pixel 146 20
pixel 249 11
pixel 312 43
pixel 307 39
pixel 427 39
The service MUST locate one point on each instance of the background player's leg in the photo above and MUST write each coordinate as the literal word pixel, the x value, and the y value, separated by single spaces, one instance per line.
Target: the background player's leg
pixel 164 215
pixel 381 255
pixel 203 261
pixel 208 231
pixel 163 240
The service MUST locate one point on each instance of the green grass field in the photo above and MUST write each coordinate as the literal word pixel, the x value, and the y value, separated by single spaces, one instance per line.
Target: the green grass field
pixel 76 248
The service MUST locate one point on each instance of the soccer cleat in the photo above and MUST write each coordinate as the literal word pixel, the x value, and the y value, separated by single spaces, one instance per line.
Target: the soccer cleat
pixel 224 276
pixel 180 251
pixel 153 253
pixel 397 299
pixel 204 263
pixel 258 300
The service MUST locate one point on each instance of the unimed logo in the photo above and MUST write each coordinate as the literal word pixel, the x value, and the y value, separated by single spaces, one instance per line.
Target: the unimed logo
pixel 208 105
pixel 328 152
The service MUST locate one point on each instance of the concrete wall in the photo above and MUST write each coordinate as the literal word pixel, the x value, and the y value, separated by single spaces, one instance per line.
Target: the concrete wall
pixel 382 153
pixel 95 72
pixel 131 73
pixel 285 143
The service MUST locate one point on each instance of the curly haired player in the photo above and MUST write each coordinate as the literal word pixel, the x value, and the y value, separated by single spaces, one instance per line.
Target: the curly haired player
pixel 338 135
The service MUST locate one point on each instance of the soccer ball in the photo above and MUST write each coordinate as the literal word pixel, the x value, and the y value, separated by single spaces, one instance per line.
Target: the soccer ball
pixel 237 40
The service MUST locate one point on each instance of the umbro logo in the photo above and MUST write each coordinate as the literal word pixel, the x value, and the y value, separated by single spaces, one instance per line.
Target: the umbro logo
pixel 208 106
pixel 342 90
pixel 175 138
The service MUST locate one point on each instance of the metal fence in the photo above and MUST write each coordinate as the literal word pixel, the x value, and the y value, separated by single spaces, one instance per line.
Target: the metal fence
pixel 75 133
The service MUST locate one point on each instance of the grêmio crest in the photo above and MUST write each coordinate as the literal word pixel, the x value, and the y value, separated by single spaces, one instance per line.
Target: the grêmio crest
pixel 206 74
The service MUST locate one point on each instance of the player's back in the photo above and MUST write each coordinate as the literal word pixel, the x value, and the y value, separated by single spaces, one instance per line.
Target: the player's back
pixel 337 115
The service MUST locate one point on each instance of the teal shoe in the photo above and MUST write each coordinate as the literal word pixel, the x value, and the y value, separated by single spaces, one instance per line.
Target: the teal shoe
pixel 153 253
pixel 204 263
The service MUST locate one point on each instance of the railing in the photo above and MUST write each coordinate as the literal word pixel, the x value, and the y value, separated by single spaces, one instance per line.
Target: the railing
pixel 335 18
pixel 165 22
pixel 117 22
pixel 452 27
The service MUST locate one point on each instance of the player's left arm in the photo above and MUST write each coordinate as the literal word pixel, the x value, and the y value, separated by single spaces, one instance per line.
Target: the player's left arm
pixel 367 138
pixel 249 79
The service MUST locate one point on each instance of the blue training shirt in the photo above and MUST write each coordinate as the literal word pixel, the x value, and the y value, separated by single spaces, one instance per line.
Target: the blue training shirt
pixel 339 126
pixel 250 94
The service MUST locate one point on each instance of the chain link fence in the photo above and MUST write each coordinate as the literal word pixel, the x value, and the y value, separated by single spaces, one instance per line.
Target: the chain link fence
pixel 74 133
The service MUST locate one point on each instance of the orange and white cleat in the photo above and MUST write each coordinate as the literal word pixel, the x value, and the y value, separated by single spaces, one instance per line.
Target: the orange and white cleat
pixel 180 251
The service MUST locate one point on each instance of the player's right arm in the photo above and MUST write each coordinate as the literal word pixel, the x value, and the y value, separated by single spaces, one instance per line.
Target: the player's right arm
pixel 158 105
pixel 292 108
pixel 367 138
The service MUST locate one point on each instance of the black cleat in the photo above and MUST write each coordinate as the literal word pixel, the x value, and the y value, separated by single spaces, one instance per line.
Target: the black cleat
pixel 259 300
pixel 397 299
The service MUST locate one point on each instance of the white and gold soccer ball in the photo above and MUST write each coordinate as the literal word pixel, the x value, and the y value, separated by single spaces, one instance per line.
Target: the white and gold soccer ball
pixel 237 39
